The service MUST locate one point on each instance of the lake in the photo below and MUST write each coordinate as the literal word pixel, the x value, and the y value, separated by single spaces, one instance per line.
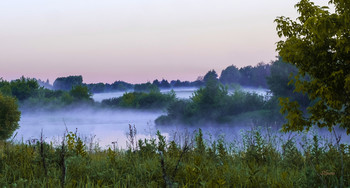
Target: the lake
pixel 107 126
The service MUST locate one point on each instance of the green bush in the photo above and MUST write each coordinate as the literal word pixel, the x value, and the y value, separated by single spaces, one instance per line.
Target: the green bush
pixel 139 100
pixel 212 103
pixel 9 116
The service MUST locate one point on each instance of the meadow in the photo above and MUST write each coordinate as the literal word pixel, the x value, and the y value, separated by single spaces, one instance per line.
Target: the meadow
pixel 186 160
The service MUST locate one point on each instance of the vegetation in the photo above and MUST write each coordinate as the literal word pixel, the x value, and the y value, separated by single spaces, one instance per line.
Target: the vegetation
pixel 162 84
pixel 318 44
pixel 212 103
pixel 211 75
pixel 146 87
pixel 116 86
pixel 259 161
pixel 9 116
pixel 139 100
pixel 230 75
pixel 317 47
pixel 246 76
pixel 67 83
pixel 279 79
pixel 80 93
pixel 22 88
pixel 32 97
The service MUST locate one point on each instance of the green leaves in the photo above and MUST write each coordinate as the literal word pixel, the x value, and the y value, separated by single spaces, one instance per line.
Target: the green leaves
pixel 9 116
pixel 80 93
pixel 296 121
pixel 318 44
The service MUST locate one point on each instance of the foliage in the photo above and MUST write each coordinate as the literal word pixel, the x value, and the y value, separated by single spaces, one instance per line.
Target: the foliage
pixel 178 83
pixel 151 100
pixel 75 144
pixel 255 76
pixel 278 81
pixel 213 103
pixel 230 75
pixel 146 87
pixel 116 86
pixel 32 97
pixel 162 84
pixel 80 93
pixel 96 88
pixel 251 76
pixel 5 87
pixel 259 162
pixel 211 75
pixel 9 116
pixel 67 83
pixel 22 88
pixel 318 44
pixel 121 86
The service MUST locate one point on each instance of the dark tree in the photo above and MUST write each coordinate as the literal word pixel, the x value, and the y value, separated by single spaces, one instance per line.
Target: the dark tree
pixel 281 75
pixel 230 75
pixel 96 88
pixel 164 84
pixel 156 82
pixel 210 76
pixel 67 83
pixel 246 75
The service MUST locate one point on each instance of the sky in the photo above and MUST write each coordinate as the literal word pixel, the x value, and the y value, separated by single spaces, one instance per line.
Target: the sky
pixel 136 40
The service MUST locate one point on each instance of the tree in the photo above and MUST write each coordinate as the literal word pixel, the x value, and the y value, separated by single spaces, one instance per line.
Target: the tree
pixel 66 83
pixel 318 44
pixel 230 75
pixel 210 75
pixel 246 75
pixel 210 100
pixel 81 93
pixel 145 87
pixel 24 88
pixel 156 82
pixel 9 116
pixel 164 84
pixel 259 74
pixel 96 88
pixel 121 86
pixel 5 87
pixel 281 74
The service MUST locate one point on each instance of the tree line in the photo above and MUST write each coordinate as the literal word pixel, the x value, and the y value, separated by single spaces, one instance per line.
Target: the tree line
pixel 249 76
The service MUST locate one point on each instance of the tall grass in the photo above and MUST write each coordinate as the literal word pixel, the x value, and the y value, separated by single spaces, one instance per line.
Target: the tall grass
pixel 255 161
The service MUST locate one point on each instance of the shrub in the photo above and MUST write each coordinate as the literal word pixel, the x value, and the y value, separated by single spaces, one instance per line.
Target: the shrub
pixel 9 116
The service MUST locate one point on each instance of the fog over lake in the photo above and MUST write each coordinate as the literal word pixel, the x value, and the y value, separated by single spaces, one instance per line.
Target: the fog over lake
pixel 107 125
pixel 111 125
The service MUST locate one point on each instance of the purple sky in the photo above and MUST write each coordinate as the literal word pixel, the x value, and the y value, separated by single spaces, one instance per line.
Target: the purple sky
pixel 136 40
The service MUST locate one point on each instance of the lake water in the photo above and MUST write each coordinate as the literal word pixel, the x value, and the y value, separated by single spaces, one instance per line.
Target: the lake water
pixel 107 126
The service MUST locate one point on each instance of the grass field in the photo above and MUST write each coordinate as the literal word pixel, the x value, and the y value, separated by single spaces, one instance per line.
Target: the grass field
pixel 254 161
